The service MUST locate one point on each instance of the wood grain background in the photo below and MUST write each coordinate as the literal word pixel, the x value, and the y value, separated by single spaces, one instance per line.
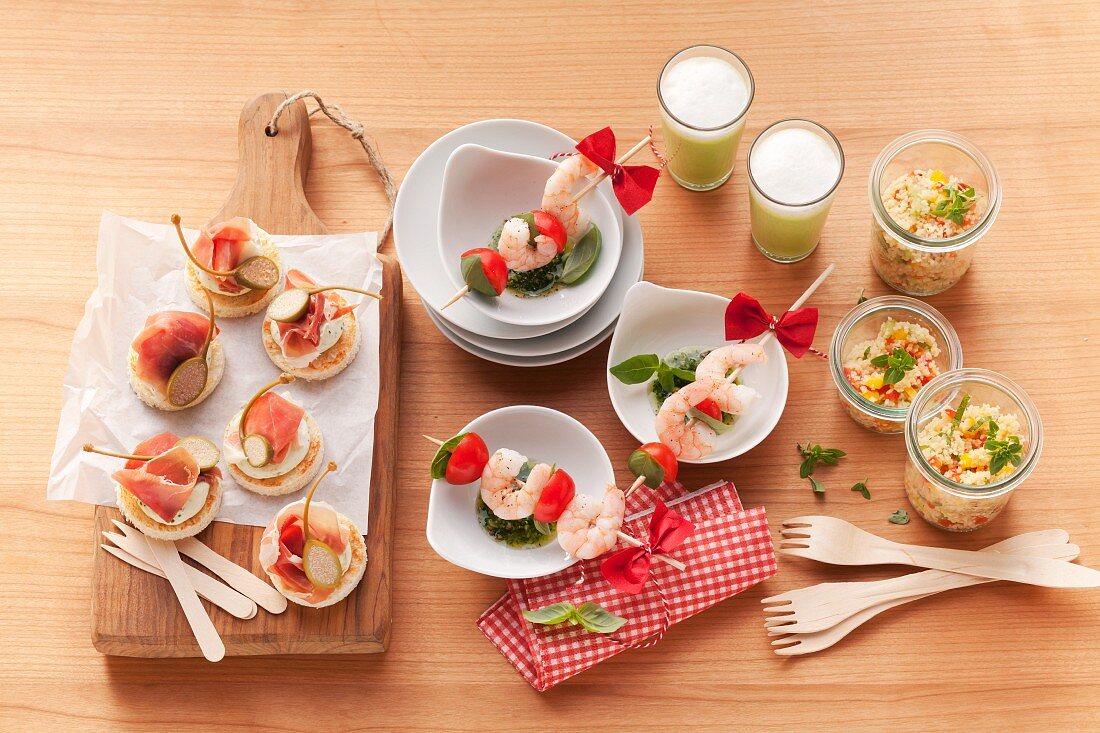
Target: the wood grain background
pixel 132 106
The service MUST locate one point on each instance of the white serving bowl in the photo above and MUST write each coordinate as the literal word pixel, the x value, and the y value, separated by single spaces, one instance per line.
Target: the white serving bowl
pixel 540 434
pixel 658 320
pixel 481 188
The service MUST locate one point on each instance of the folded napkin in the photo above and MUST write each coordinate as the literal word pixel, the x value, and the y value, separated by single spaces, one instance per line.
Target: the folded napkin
pixel 730 550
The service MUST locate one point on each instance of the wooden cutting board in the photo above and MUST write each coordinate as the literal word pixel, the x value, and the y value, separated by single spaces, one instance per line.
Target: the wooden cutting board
pixel 136 614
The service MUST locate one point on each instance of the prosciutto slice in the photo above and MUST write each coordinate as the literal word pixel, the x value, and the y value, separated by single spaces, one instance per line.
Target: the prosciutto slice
pixel 168 339
pixel 164 484
pixel 276 419
pixel 219 247
pixel 304 335
pixel 284 541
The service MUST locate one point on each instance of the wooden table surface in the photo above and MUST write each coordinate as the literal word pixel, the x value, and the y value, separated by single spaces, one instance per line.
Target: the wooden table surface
pixel 132 106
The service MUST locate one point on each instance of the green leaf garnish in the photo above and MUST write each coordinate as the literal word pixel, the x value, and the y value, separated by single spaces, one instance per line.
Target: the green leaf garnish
pixel 636 369
pixel 862 297
pixel 900 517
pixel 955 204
pixel 643 464
pixel 812 454
pixel 591 616
pixel 897 363
pixel 816 485
pixel 1003 452
pixel 583 255
pixel 544 528
pixel 861 487
pixel 963 403
pixel 474 275
pixel 439 462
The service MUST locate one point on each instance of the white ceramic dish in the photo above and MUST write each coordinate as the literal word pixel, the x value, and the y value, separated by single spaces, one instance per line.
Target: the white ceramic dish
pixel 596 321
pixel 481 188
pixel 416 238
pixel 517 361
pixel 658 320
pixel 540 434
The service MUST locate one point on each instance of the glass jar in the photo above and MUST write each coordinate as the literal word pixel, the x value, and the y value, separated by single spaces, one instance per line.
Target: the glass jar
pixel 911 263
pixel 945 503
pixel 699 145
pixel 862 324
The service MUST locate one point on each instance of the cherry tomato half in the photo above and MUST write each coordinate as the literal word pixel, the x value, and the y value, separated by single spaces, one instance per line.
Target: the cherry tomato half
pixel 710 408
pixel 467 460
pixel 496 271
pixel 664 456
pixel 549 226
pixel 556 495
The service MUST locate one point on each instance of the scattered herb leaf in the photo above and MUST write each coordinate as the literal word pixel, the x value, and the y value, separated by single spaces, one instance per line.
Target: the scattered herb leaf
pixel 817 486
pixel 900 517
pixel 861 487
pixel 812 454
pixel 862 297
pixel 591 616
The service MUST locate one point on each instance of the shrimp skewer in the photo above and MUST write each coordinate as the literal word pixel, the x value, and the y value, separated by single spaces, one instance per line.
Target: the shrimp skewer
pixel 503 492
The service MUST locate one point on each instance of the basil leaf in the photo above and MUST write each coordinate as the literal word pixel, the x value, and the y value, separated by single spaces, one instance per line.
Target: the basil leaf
pixel 595 617
pixel 641 463
pixel 807 467
pixel 636 369
pixel 893 375
pixel 552 614
pixel 997 463
pixel 664 376
pixel 474 276
pixel 443 455
pixel 717 426
pixel 861 487
pixel 532 228
pixel 685 374
pixel 581 258
pixel 900 517
pixel 817 486
pixel 880 361
pixel 494 241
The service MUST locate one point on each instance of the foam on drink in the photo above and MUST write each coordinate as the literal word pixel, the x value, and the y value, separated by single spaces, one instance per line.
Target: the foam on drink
pixel 794 166
pixel 704 91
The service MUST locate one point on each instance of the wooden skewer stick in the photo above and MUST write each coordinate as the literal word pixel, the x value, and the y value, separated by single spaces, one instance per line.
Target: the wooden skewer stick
pixel 625 157
pixel 663 558
pixel 637 482
pixel 770 334
pixel 456 297
pixel 437 441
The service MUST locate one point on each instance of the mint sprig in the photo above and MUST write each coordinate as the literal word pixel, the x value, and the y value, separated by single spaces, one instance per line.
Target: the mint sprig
pixel 956 203
pixel 861 487
pixel 1003 452
pixel 898 363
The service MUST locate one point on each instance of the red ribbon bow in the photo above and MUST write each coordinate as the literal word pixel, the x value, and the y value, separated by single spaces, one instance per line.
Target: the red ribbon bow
pixel 746 318
pixel 633 184
pixel 628 569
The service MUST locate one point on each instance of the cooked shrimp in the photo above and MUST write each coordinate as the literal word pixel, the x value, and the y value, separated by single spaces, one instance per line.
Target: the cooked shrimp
pixel 719 362
pixel 688 439
pixel 588 526
pixel 515 246
pixel 507 497
pixel 557 197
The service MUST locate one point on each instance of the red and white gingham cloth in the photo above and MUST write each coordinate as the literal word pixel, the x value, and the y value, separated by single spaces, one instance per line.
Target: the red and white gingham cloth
pixel 731 550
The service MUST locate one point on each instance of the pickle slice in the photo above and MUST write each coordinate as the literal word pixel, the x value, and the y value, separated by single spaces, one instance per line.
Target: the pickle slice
pixel 203 450
pixel 257 450
pixel 321 564
pixel 257 273
pixel 188 381
pixel 290 306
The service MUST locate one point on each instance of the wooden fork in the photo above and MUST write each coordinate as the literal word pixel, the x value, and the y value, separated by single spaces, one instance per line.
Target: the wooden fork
pixel 832 540
pixel 792 644
pixel 823 605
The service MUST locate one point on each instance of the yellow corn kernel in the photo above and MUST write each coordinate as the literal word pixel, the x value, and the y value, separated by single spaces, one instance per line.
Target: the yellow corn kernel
pixel 874 381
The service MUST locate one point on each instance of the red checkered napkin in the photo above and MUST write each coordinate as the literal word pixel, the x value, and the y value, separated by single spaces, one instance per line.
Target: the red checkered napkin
pixel 731 550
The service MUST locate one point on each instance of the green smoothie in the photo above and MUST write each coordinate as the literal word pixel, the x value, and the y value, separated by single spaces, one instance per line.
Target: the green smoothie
pixel 784 236
pixel 705 93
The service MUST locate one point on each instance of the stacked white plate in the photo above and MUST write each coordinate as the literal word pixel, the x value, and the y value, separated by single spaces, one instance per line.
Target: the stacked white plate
pixel 473 329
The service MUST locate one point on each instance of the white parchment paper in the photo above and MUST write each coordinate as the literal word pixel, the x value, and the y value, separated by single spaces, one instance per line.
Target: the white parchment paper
pixel 140 269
